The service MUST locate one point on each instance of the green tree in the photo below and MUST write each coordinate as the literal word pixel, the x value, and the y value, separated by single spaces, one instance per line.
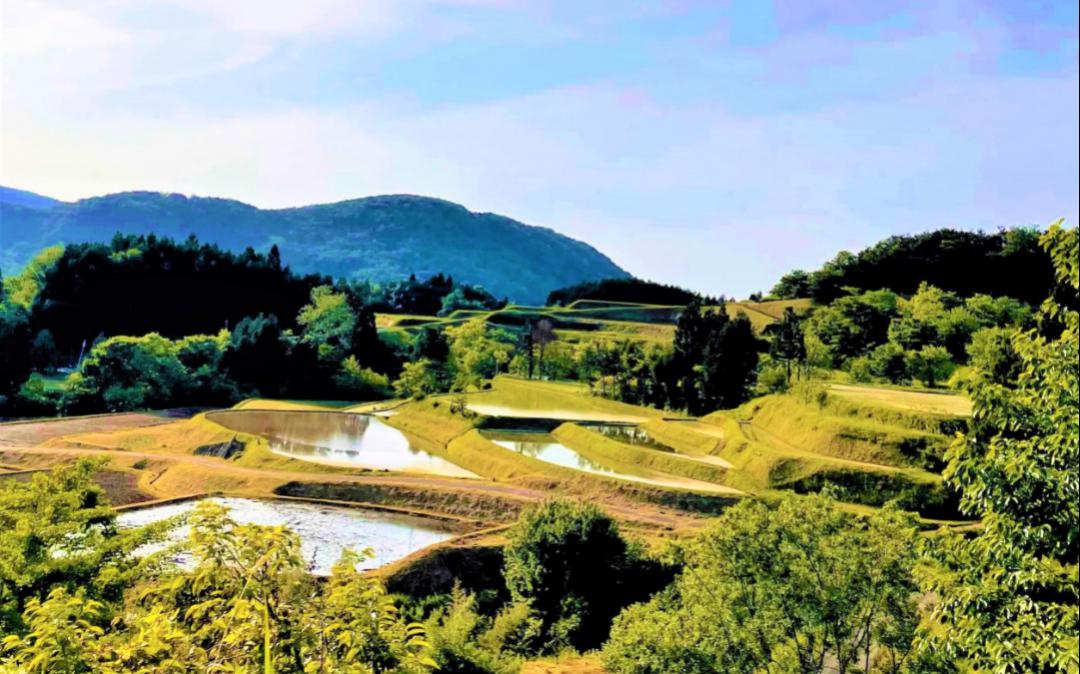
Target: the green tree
pixel 794 586
pixel 716 358
pixel 58 531
pixel 417 380
pixel 851 325
pixel 930 364
pixel 328 323
pixel 128 373
pixel 1007 597
pixel 889 361
pixel 569 562
pixel 786 343
pixel 991 355
pixel 466 642
pixel 361 382
pixel 247 604
pixel 477 352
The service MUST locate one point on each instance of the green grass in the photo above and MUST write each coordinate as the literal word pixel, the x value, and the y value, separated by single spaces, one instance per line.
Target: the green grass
pixel 598 447
pixel 859 438
pixel 512 397
pixel 681 437
pixel 919 403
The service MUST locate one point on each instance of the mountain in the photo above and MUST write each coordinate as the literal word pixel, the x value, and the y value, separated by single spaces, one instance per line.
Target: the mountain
pixel 10 195
pixel 379 238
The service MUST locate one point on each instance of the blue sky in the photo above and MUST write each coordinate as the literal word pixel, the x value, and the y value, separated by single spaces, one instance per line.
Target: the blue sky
pixel 711 144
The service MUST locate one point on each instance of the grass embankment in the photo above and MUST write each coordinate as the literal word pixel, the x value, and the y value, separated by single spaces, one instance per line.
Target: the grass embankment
pixel 294 405
pixel 134 449
pixel 779 442
pixel 520 398
pixel 584 320
pixel 683 436
pixel 857 436
pixel 597 447
pixel 925 405
pixel 456 438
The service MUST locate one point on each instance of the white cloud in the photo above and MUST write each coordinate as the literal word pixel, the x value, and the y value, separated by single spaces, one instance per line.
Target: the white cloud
pixel 721 202
pixel 30 27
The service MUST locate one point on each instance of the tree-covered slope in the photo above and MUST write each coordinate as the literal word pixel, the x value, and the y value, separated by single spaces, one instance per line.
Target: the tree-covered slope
pixel 379 238
pixel 1007 262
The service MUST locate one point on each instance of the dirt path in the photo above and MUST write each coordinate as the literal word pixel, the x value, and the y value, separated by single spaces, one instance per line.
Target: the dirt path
pixel 30 433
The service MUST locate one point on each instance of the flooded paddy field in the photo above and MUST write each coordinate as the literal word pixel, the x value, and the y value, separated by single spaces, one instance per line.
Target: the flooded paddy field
pixel 338 439
pixel 324 530
pixel 544 447
pixel 629 434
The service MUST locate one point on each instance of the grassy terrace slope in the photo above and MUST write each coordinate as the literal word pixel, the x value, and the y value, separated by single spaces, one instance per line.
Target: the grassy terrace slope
pixel 586 320
pixel 870 451
pixel 519 398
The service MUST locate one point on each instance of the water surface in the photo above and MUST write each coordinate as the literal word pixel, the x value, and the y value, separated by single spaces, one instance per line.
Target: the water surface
pixel 628 434
pixel 546 448
pixel 339 439
pixel 324 530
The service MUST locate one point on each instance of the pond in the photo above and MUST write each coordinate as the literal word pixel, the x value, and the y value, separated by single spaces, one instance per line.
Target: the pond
pixel 546 448
pixel 324 530
pixel 338 439
pixel 628 434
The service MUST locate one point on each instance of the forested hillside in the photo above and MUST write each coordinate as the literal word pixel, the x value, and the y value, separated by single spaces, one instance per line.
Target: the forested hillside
pixel 1007 262
pixel 383 238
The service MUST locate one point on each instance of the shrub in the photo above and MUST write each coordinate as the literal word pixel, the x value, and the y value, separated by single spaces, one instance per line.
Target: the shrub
pixel 466 642
pixel 778 588
pixel 889 361
pixel 931 364
pixel 568 560
pixel 361 382
pixel 860 369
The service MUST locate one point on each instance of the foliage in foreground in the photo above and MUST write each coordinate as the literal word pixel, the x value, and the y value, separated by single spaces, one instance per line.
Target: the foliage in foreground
pixel 1009 598
pixel 246 603
pixel 569 562
pixel 785 587
pixel 57 529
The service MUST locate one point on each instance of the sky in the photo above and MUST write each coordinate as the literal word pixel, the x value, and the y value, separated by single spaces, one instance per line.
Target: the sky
pixel 714 145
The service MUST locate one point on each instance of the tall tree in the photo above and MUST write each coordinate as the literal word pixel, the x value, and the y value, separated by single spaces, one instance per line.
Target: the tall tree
pixel 786 340
pixel 1007 597
pixel 543 333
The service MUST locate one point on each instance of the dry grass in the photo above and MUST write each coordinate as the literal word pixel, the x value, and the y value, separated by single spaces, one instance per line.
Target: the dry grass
pixel 571 664
pixel 513 397
pixel 293 405
pixel 948 404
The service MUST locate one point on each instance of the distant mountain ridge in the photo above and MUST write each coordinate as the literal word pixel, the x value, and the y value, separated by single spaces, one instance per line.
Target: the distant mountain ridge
pixel 381 238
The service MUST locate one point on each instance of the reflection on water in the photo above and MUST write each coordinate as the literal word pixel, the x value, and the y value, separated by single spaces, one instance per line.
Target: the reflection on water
pixel 338 438
pixel 545 448
pixel 324 530
pixel 628 434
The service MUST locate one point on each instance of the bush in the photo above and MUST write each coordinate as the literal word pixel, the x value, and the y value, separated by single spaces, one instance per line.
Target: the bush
pixel 991 353
pixel 362 382
pixel 778 588
pixel 772 378
pixel 889 361
pixel 466 642
pixel 930 364
pixel 860 369
pixel 568 561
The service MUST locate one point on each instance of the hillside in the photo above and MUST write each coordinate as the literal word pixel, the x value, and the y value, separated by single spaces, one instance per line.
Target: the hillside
pixel 1008 262
pixel 380 238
